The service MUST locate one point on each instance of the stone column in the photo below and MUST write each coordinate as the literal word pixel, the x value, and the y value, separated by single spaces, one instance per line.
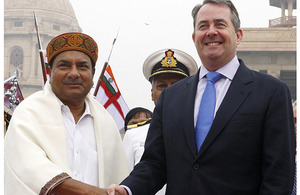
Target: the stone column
pixel 32 75
pixel 282 9
pixel 290 8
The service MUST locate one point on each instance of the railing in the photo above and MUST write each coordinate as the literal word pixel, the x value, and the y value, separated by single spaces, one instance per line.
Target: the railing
pixel 286 21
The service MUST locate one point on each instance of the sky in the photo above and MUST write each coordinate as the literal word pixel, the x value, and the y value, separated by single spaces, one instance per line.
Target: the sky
pixel 145 27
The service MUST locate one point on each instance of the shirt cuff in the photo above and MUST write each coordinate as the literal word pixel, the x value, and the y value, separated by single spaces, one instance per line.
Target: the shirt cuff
pixel 127 189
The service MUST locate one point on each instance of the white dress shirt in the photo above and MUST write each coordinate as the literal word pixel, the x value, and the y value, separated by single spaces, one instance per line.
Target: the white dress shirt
pixel 228 71
pixel 82 147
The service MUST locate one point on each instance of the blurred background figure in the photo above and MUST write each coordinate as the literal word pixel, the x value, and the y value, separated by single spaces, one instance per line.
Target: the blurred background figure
pixel 295 116
pixel 294 192
pixel 137 117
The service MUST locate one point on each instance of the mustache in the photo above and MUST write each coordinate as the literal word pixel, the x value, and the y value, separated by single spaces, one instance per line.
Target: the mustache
pixel 212 39
pixel 72 82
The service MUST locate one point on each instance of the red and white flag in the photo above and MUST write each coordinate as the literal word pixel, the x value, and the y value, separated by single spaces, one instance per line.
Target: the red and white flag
pixel 110 97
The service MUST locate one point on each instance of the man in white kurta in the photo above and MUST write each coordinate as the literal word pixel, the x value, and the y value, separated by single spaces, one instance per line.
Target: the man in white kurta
pixel 36 147
pixel 46 146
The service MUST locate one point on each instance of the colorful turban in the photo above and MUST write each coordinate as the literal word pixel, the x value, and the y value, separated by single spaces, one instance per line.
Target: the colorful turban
pixel 72 41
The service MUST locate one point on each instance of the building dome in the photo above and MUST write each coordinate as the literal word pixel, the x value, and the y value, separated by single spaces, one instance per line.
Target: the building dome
pixel 59 6
pixel 56 14
pixel 21 50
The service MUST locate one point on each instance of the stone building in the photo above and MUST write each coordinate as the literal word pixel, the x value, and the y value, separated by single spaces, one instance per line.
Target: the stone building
pixel 21 50
pixel 273 50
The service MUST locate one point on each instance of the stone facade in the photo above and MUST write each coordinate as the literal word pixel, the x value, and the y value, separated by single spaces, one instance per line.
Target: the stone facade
pixel 21 50
pixel 273 51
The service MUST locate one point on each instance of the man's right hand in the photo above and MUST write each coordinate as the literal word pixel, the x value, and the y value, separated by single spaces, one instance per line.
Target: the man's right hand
pixel 115 189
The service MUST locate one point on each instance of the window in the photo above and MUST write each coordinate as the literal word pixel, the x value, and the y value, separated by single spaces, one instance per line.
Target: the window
pixel 56 27
pixel 18 24
pixel 264 71
pixel 16 61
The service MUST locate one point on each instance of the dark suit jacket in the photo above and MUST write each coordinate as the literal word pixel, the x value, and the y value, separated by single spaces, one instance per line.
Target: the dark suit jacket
pixel 250 148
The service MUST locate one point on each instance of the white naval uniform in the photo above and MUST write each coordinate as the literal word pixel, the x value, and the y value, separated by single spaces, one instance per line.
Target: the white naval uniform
pixel 134 142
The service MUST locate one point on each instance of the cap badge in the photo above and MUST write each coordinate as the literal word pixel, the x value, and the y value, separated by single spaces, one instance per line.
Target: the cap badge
pixel 169 61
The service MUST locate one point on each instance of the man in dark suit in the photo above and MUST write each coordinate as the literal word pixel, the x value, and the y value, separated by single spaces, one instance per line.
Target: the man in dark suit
pixel 250 145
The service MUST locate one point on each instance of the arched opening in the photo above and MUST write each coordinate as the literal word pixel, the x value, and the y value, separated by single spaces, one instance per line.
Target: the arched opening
pixel 16 60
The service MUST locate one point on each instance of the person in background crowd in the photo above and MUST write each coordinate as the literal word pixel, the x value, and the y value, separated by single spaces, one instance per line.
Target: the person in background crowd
pixel 294 192
pixel 295 116
pixel 137 117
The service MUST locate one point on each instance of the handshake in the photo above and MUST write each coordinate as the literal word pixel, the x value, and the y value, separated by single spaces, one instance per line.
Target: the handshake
pixel 115 189
pixel 74 187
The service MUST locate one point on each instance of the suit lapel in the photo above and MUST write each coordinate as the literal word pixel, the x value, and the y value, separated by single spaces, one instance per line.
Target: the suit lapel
pixel 188 110
pixel 235 96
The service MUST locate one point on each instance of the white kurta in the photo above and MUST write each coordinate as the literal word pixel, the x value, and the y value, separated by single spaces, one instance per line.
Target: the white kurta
pixel 35 146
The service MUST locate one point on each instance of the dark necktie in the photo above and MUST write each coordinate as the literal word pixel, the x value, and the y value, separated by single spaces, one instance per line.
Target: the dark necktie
pixel 207 108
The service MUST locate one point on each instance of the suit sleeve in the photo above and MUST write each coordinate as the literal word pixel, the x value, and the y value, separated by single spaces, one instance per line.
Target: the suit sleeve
pixel 278 147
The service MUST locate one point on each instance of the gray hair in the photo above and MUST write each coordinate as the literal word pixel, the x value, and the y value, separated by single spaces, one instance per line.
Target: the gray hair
pixel 234 14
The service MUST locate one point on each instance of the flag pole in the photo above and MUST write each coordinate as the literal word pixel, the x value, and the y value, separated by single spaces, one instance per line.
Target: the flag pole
pixel 40 49
pixel 105 65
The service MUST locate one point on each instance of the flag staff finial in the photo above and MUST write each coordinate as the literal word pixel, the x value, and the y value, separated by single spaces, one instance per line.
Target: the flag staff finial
pixel 40 48
pixel 105 64
pixel 115 39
